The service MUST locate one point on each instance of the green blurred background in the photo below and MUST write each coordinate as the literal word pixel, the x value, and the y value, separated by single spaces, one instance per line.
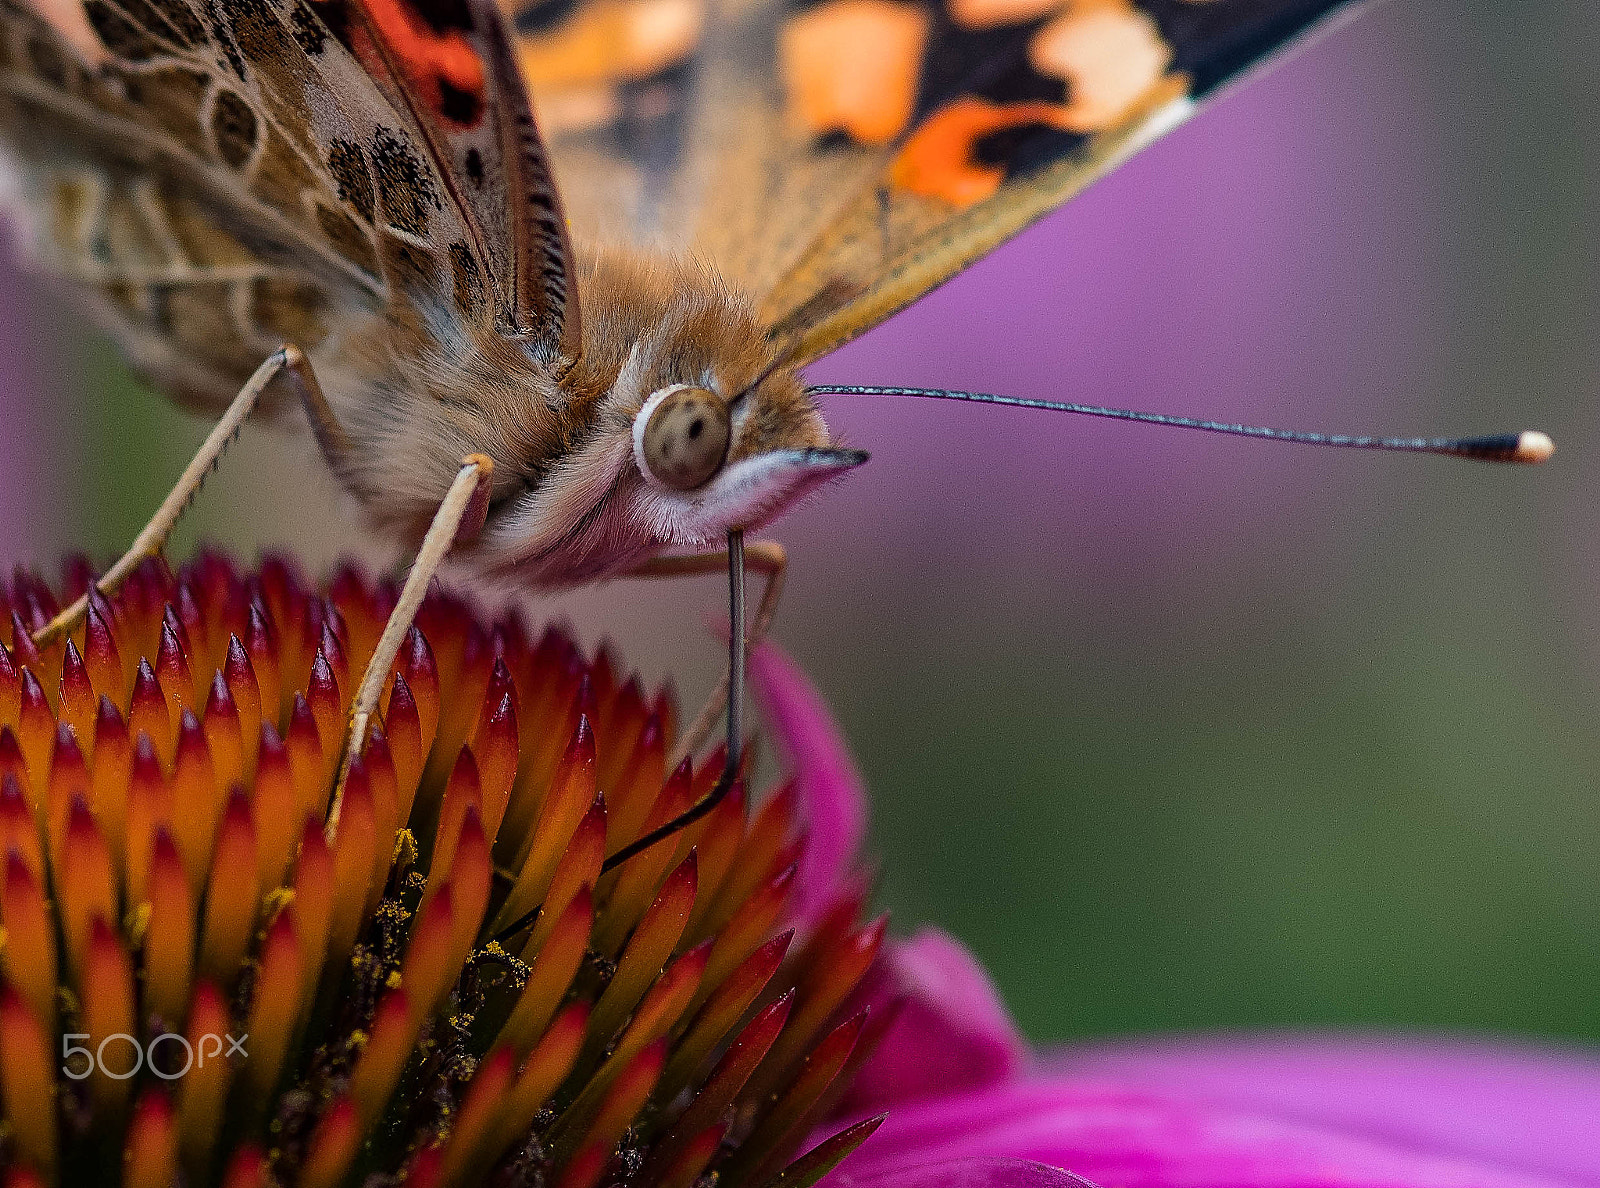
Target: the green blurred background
pixel 1174 732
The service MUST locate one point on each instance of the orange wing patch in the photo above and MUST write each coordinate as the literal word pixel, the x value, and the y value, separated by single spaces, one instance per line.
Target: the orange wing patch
pixel 940 160
pixel 852 66
pixel 986 14
pixel 855 67
pixel 1110 56
pixel 613 42
pixel 446 57
pixel 576 67
pixel 441 65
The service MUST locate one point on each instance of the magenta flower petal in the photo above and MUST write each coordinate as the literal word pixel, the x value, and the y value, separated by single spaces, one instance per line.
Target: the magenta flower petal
pixel 952 1032
pixel 1533 1109
pixel 967 1107
pixel 832 800
pixel 1134 1138
pixel 961 1173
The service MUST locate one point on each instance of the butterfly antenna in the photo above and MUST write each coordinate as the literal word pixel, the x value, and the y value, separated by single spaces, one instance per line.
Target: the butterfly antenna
pixel 733 756
pixel 1528 446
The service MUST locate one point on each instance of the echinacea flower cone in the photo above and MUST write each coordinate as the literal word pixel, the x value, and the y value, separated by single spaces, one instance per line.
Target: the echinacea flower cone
pixel 211 973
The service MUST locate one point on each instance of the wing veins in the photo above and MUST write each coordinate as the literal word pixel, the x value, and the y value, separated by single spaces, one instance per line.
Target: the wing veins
pixel 514 132
pixel 423 122
pixel 86 115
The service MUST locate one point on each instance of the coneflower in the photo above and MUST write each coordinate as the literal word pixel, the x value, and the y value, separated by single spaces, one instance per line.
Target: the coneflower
pixel 206 980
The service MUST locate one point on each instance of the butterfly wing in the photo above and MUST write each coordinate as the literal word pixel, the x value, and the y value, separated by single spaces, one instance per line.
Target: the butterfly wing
pixel 843 157
pixel 449 66
pixel 668 129
pixel 1014 119
pixel 227 174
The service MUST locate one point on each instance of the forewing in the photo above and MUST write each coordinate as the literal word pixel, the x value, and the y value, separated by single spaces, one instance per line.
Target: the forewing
pixel 840 158
pixel 450 67
pixel 1014 117
pixel 668 128
pixel 228 174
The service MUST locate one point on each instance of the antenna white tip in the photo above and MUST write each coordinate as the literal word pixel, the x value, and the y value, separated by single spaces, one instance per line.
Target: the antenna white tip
pixel 1533 446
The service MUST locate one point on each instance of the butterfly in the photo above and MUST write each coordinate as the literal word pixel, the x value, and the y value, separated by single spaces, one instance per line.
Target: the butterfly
pixel 550 273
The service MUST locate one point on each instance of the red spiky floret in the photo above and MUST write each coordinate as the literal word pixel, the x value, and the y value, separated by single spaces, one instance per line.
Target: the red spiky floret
pixel 440 988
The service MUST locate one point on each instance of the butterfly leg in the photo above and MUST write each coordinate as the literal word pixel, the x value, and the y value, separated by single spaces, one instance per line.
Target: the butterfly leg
pixel 288 361
pixel 765 557
pixel 460 516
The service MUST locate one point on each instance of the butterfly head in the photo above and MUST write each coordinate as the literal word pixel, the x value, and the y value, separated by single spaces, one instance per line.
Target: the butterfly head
pixel 683 428
pixel 709 461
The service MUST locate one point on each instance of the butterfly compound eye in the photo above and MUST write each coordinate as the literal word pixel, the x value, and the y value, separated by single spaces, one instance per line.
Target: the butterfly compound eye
pixel 680 437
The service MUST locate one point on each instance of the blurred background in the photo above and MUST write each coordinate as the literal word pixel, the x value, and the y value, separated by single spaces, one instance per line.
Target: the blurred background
pixel 1175 732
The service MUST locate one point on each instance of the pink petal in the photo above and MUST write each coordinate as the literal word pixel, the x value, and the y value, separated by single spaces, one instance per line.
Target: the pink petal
pixel 961 1173
pixel 1515 1106
pixel 952 1033
pixel 832 801
pixel 1126 1137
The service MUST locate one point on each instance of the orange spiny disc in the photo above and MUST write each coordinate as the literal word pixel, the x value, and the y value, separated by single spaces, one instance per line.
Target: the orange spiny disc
pixel 281 1003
